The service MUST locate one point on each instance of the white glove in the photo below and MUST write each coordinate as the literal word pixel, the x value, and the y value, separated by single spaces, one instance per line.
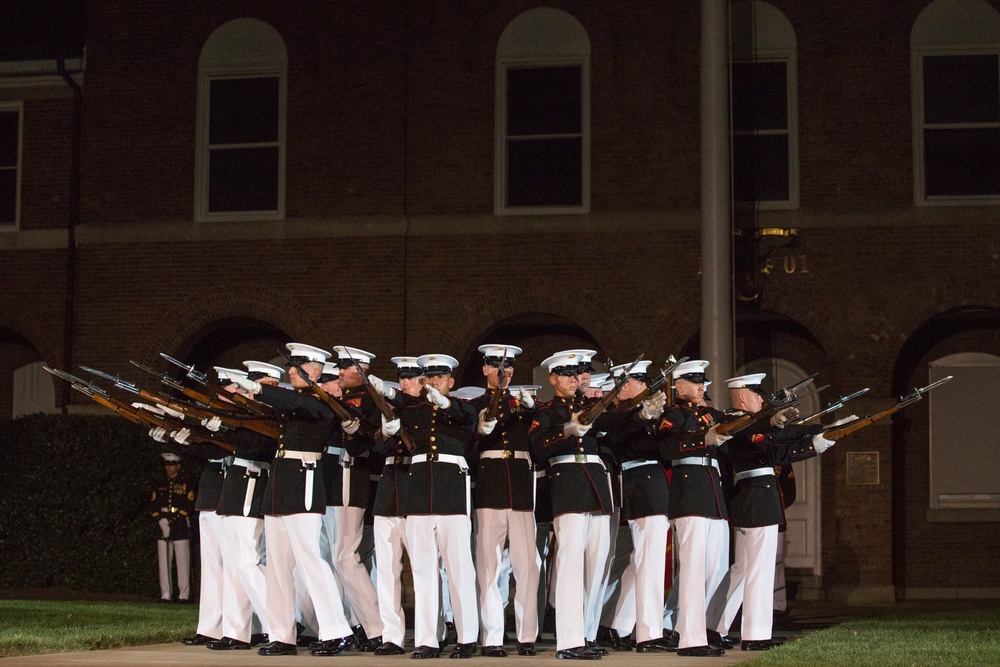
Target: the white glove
pixel 821 444
pixel 164 528
pixel 251 386
pixel 381 387
pixel 181 436
pixel 782 417
pixel 485 427
pixel 212 423
pixel 146 406
pixel 573 428
pixel 435 397
pixel 351 426
pixel 653 406
pixel 845 420
pixel 713 438
pixel 176 414
pixel 526 399
pixel 390 428
pixel 158 433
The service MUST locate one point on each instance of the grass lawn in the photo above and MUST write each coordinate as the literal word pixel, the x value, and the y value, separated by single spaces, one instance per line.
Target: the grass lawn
pixel 897 639
pixel 43 626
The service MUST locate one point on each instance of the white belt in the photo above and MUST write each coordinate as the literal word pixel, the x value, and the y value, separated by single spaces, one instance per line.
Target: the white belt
pixel 504 454
pixel 443 458
pixel 305 457
pixel 628 465
pixel 397 460
pixel 339 451
pixel 224 460
pixel 756 472
pixel 252 466
pixel 541 473
pixel 696 461
pixel 576 458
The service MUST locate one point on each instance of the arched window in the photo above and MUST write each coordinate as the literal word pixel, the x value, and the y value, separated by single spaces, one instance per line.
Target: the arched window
pixel 33 390
pixel 543 115
pixel 955 70
pixel 240 160
pixel 765 107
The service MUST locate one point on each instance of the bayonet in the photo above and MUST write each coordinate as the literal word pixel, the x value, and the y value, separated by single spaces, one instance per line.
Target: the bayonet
pixel 189 370
pixel 834 405
pixel 858 424
pixel 164 378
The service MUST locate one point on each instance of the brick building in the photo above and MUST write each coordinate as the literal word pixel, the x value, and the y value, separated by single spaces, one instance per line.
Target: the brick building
pixel 212 180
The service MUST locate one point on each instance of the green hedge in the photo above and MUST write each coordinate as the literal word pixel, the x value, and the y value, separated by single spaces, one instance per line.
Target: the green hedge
pixel 74 501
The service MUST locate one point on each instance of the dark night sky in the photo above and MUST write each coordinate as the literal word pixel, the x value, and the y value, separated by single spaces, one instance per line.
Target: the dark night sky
pixel 41 29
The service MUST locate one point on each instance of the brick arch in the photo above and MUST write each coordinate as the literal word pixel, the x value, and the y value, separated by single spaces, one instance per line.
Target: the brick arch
pixel 258 303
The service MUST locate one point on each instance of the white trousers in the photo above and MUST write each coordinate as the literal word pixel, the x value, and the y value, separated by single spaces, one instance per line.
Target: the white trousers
pixel 246 579
pixel 357 584
pixel 582 545
pixel 213 555
pixel 449 537
pixel 649 539
pixel 780 591
pixel 750 584
pixel 494 528
pixel 293 544
pixel 168 552
pixel 390 541
pixel 699 540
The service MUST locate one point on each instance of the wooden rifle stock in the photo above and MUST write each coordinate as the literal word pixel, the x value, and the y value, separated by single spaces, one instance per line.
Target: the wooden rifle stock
pixel 840 431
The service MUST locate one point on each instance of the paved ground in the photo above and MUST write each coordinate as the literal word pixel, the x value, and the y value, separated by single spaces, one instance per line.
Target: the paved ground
pixel 804 619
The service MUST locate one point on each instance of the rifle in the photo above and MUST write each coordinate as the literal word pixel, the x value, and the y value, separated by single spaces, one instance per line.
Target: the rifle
pixel 202 399
pixel 785 398
pixel 383 405
pixel 339 409
pixel 588 415
pixel 134 415
pixel 668 367
pixel 260 409
pixel 264 427
pixel 834 405
pixel 839 432
pixel 494 405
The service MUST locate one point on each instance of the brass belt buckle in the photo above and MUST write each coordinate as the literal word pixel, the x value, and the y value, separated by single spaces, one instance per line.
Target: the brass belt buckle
pixel 507 454
pixel 281 453
pixel 432 457
pixel 580 458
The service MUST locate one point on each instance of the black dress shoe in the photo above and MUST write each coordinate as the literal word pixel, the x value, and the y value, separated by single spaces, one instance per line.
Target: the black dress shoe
pixel 422 652
pixel 759 644
pixel 652 646
pixel 388 648
pixel 671 640
pixel 527 648
pixel 466 650
pixel 493 652
pixel 608 637
pixel 450 634
pixel 333 646
pixel 228 644
pixel 198 640
pixel 716 639
pixel 360 634
pixel 256 640
pixel 306 641
pixel 370 645
pixel 277 648
pixel 577 653
pixel 593 646
pixel 700 651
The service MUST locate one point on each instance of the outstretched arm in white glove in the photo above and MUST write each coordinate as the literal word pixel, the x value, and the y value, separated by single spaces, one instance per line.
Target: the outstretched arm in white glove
pixel 437 398
pixel 485 427
pixel 381 387
pixel 351 426
pixel 181 436
pixel 845 420
pixel 526 399
pixel 653 406
pixel 390 427
pixel 158 433
pixel 212 423
pixel 252 386
pixel 782 417
pixel 821 444
pixel 574 429
pixel 713 438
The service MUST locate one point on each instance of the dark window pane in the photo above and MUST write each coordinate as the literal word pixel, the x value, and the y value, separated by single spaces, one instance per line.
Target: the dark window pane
pixel 962 162
pixel 244 179
pixel 243 111
pixel 8 196
pixel 760 168
pixel 545 172
pixel 760 96
pixel 961 89
pixel 8 138
pixel 543 100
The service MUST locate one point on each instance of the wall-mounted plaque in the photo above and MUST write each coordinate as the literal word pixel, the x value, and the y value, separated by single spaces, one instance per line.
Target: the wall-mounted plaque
pixel 862 467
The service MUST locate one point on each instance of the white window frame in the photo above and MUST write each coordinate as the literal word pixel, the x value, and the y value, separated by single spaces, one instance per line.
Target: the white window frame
pixel 536 58
pixel 271 62
pixel 17 107
pixel 774 40
pixel 933 40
